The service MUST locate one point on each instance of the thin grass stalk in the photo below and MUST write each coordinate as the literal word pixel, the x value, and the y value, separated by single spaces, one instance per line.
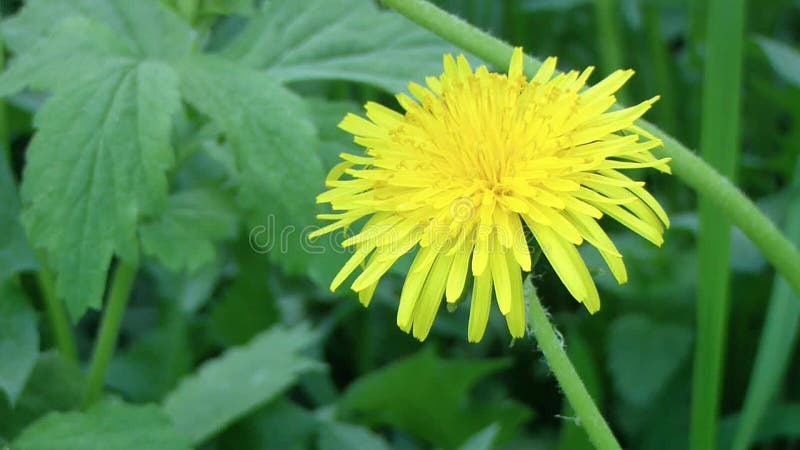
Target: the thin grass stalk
pixel 720 148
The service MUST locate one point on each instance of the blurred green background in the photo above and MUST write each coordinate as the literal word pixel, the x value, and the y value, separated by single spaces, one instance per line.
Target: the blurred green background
pixel 336 375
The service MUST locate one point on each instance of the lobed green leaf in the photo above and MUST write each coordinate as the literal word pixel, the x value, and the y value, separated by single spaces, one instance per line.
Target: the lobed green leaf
pixel 227 388
pixel 338 40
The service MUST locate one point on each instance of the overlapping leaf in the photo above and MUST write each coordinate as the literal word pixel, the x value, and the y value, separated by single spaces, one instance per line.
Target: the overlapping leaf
pixel 427 398
pixel 91 175
pixel 275 146
pixel 183 236
pixel 15 253
pixel 54 385
pixel 19 339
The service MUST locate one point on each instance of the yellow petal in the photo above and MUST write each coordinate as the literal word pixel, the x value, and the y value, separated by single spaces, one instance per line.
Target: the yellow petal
pixel 458 273
pixel 502 277
pixel 431 297
pixel 515 319
pixel 412 287
pixel 480 306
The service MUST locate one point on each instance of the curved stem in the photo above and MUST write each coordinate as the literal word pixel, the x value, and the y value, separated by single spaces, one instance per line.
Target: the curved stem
pixel 109 330
pixel 685 164
pixel 588 415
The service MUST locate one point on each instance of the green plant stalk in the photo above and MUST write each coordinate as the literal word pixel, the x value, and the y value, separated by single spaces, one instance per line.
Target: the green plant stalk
pixel 109 330
pixel 588 415
pixel 667 109
pixel 56 313
pixel 581 356
pixel 609 43
pixel 777 341
pixel 692 170
pixel 719 145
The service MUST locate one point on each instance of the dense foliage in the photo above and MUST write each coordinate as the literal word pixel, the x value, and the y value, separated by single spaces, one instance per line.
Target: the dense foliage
pixel 185 141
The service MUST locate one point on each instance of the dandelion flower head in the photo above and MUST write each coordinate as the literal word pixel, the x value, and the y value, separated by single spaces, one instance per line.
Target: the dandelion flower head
pixel 476 159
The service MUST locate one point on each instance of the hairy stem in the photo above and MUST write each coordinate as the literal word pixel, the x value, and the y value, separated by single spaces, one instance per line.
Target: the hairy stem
pixel 589 416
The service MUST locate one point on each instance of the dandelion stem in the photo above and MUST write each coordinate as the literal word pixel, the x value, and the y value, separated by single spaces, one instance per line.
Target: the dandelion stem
pixel 109 330
pixel 685 164
pixel 589 416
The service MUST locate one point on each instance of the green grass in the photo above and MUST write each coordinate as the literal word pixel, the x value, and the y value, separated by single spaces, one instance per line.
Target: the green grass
pixel 719 146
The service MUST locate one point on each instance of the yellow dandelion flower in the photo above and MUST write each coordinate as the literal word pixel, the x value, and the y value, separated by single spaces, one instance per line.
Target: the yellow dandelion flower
pixel 475 159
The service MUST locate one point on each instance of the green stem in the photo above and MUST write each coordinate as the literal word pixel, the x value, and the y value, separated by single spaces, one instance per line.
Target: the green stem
pixel 609 43
pixel 109 330
pixel 575 391
pixel 667 109
pixel 692 170
pixel 56 312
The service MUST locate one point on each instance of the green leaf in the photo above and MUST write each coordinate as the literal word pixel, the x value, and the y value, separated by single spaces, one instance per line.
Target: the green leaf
pixel 91 175
pixel 341 40
pixel 337 435
pixel 643 355
pixel 227 388
pixel 107 426
pixel 111 162
pixel 279 425
pixel 275 146
pixel 190 291
pixel 76 50
pixel 146 27
pixel 223 7
pixel 152 365
pixel 19 339
pixel 329 255
pixel 54 385
pixel 15 253
pixel 483 440
pixel 426 396
pixel 784 59
pixel 183 237
pixel 248 305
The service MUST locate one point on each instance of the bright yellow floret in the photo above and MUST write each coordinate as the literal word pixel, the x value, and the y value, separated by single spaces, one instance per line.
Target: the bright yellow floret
pixel 476 159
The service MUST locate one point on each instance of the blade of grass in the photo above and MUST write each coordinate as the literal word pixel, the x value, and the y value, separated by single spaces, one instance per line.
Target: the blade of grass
pixel 719 145
pixel 777 340
pixel 609 42
pixel 667 111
